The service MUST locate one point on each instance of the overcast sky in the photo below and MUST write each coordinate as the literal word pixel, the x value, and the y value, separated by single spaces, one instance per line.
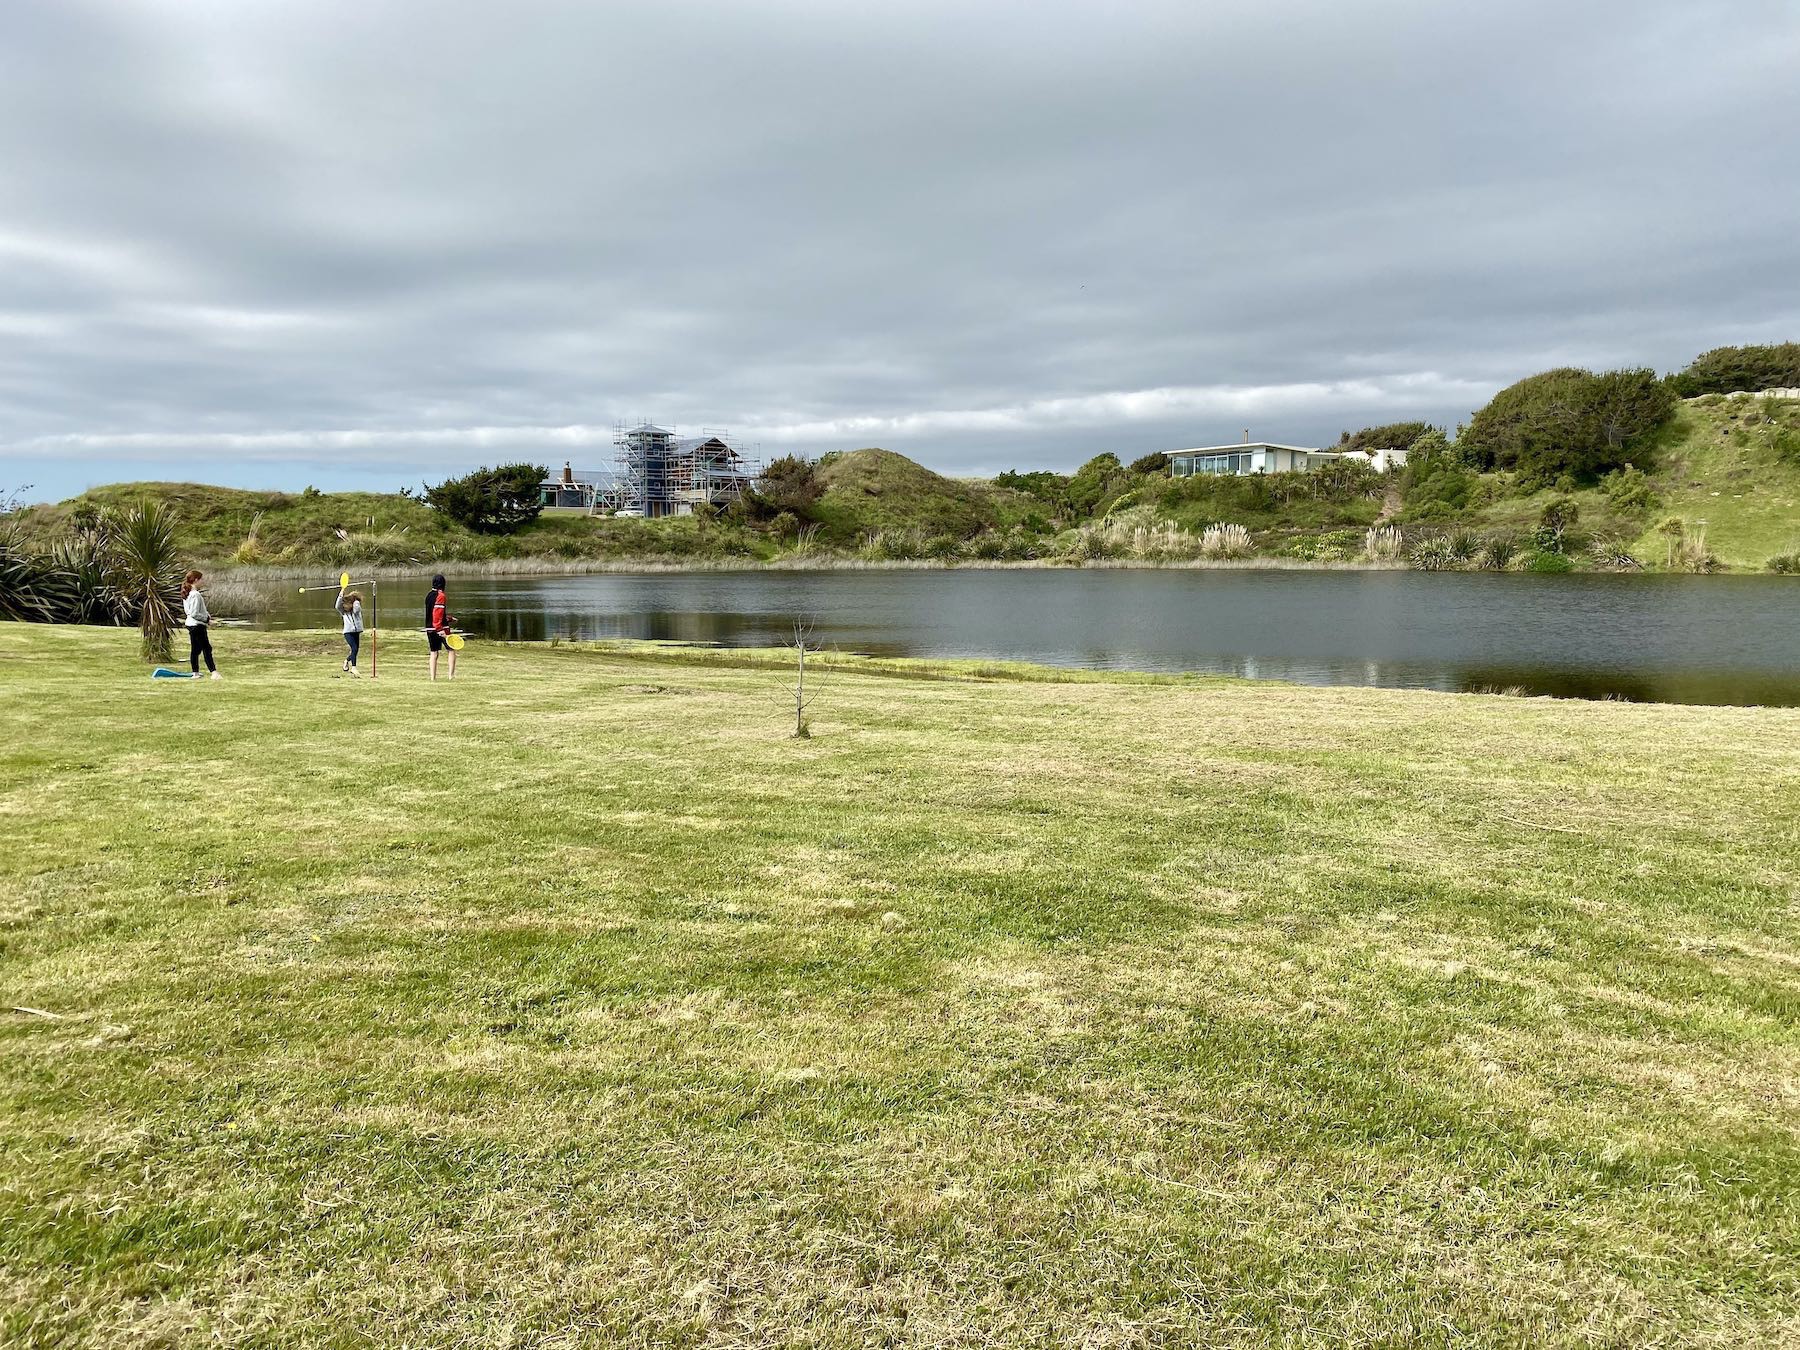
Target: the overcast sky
pixel 367 243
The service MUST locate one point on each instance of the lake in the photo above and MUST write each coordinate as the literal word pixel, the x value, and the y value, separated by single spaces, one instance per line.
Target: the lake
pixel 1682 639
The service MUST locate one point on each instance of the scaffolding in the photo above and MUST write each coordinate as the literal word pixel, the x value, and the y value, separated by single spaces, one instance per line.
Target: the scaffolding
pixel 665 474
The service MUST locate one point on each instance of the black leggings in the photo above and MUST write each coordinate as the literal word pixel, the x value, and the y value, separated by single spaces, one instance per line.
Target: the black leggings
pixel 354 642
pixel 199 645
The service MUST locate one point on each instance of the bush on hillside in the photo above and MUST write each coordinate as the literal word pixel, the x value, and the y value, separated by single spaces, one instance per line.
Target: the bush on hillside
pixel 1052 489
pixel 1568 421
pixel 1558 517
pixel 1628 489
pixel 1344 480
pixel 1730 370
pixel 787 486
pixel 1154 462
pixel 1497 553
pixel 1095 484
pixel 1435 484
pixel 491 501
pixel 1549 562
pixel 1785 564
pixel 1393 436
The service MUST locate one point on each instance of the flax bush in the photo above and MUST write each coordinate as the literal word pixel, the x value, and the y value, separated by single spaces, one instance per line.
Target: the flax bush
pixel 1497 553
pixel 1435 554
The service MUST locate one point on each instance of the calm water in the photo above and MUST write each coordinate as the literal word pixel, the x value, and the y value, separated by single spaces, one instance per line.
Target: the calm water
pixel 1665 638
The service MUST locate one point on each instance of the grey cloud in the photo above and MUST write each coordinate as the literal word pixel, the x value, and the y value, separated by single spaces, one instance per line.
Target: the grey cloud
pixel 340 242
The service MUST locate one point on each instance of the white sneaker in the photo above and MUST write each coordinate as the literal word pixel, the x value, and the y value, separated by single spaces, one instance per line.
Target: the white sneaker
pixel 215 674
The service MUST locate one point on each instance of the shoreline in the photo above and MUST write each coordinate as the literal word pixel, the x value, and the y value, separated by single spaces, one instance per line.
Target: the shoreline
pixel 235 573
pixel 225 572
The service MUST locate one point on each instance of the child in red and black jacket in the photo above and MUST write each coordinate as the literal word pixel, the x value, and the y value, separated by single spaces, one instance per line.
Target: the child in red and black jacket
pixel 437 625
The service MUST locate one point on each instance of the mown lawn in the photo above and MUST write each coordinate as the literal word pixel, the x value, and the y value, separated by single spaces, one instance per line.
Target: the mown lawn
pixel 561 1006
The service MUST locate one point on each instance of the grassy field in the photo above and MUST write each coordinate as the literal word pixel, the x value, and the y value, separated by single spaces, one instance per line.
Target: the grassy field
pixel 573 1003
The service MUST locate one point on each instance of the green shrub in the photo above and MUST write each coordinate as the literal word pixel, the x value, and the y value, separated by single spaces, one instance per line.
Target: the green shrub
pixel 789 486
pixel 1568 421
pixel 1435 484
pixel 1095 484
pixel 1050 488
pixel 1393 436
pixel 1729 370
pixel 1554 523
pixel 488 501
pixel 988 546
pixel 1497 553
pixel 1784 441
pixel 1786 564
pixel 32 588
pixel 1433 554
pixel 1154 462
pixel 1345 480
pixel 1021 545
pixel 1612 555
pixel 1549 562
pixel 1628 489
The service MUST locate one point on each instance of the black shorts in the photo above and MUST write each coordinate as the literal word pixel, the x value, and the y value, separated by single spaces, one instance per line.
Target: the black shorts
pixel 435 638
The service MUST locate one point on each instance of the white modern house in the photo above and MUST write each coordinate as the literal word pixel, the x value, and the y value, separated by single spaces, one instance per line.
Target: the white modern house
pixel 1268 457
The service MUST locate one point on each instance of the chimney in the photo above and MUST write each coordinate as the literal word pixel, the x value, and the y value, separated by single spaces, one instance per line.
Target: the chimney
pixel 1246 435
pixel 568 475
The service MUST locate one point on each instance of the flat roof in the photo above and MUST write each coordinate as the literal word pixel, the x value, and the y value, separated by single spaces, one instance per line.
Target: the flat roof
pixel 1242 446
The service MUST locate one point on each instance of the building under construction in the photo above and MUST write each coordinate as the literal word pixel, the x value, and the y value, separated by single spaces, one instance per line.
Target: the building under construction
pixel 663 474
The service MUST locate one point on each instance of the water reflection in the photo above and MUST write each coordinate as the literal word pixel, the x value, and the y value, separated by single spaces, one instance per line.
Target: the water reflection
pixel 1677 639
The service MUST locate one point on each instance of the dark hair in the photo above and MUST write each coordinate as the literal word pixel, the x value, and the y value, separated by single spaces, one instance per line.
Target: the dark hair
pixel 187 582
pixel 437 582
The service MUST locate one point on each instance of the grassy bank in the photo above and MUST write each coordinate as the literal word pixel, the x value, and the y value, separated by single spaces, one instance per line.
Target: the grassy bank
pixel 563 1005
pixel 1723 474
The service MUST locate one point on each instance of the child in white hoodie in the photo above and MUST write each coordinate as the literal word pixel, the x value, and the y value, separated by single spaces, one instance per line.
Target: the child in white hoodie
pixel 349 605
pixel 193 605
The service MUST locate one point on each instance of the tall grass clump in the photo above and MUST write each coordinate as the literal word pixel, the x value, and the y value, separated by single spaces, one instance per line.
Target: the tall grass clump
pixel 391 547
pixel 1686 549
pixel 1223 539
pixel 1138 533
pixel 1383 542
pixel 250 550
pixel 1497 553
